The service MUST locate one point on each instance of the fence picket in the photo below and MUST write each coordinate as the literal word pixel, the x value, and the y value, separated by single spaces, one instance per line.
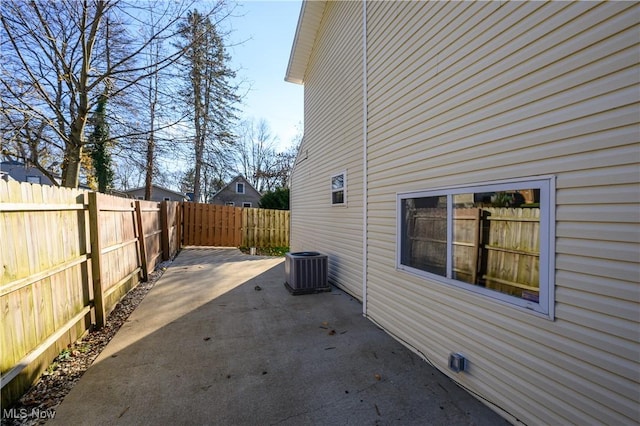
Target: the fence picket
pixel 141 241
pixel 96 259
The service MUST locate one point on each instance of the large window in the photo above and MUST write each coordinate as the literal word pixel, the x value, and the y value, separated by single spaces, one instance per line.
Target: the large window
pixel 339 189
pixel 494 239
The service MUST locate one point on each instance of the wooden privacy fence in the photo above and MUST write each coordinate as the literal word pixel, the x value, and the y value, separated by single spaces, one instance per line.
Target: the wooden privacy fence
pixel 265 228
pixel 215 225
pixel 498 248
pixel 212 225
pixel 67 257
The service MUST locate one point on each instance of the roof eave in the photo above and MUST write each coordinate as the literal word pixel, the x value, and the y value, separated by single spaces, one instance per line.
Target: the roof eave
pixel 308 24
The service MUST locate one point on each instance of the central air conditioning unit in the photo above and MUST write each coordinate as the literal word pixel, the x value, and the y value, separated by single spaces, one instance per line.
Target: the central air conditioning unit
pixel 306 272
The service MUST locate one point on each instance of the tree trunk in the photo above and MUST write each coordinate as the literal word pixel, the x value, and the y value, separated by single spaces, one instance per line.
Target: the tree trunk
pixel 198 168
pixel 148 180
pixel 71 165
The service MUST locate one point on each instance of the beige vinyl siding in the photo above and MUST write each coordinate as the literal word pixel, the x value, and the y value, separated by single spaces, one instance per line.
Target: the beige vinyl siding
pixel 461 93
pixel 332 144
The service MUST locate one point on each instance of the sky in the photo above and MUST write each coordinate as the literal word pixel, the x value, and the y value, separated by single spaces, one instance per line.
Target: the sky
pixel 259 44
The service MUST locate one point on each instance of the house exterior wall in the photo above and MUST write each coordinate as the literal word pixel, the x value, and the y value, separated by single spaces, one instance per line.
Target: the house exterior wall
pixel 228 194
pixel 464 93
pixel 22 173
pixel 332 144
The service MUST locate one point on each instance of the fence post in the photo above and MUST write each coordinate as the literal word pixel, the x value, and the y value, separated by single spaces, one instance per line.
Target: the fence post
pixel 96 257
pixel 237 226
pixel 164 226
pixel 141 241
pixel 179 223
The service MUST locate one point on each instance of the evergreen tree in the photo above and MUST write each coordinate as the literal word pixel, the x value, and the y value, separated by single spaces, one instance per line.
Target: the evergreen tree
pixel 100 150
pixel 209 95
pixel 278 199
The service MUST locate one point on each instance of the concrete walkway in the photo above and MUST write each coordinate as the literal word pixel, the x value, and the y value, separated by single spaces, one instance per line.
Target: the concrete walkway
pixel 220 341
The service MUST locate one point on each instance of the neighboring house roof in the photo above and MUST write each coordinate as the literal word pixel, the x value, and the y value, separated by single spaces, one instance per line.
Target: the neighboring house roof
pixel 155 187
pixel 234 180
pixel 311 14
pixel 229 194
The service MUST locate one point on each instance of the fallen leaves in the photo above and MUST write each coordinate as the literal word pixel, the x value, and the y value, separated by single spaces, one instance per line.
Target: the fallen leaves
pixel 332 331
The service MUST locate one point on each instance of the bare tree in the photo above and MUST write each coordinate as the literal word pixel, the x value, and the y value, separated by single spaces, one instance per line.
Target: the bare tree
pixel 54 69
pixel 256 153
pixel 151 84
pixel 258 159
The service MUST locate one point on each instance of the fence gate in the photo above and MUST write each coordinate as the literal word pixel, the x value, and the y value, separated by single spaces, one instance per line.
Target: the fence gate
pixel 212 225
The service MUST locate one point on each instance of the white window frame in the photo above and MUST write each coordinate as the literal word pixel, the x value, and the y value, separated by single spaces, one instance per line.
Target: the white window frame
pixel 230 204
pixel 238 185
pixel 343 189
pixel 246 204
pixel 546 184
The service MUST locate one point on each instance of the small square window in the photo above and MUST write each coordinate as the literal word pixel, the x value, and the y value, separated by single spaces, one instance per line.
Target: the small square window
pixel 240 188
pixel 246 204
pixel 339 189
pixel 167 199
pixel 230 203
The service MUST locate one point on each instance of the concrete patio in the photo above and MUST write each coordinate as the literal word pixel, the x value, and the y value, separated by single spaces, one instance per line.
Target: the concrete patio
pixel 219 340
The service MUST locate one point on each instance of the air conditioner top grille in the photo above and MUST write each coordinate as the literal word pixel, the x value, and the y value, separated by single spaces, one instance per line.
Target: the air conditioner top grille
pixel 305 253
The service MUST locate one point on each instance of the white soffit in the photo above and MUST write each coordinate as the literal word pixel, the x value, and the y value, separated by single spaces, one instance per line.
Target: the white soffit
pixel 308 23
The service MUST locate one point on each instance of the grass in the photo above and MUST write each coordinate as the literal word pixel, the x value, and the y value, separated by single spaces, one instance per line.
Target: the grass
pixel 267 251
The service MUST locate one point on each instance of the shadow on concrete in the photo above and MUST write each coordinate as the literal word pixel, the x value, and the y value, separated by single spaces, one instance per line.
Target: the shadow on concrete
pixel 227 344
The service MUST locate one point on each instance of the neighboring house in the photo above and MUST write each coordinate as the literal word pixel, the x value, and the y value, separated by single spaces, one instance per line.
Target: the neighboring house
pixel 158 193
pixel 239 193
pixel 15 170
pixel 472 171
